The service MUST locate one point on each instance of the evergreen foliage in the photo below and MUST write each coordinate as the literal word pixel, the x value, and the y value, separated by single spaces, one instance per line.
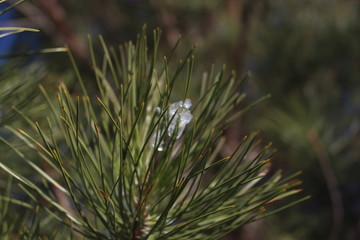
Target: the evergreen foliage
pixel 101 177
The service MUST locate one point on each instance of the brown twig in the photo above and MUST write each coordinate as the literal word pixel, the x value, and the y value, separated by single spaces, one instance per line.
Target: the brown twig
pixel 50 17
pixel 56 13
pixel 331 182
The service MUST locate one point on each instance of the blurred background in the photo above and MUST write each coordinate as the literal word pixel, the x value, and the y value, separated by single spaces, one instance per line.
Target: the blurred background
pixel 306 54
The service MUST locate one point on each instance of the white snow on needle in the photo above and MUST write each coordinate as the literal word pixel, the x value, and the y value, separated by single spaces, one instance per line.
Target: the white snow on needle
pixel 179 115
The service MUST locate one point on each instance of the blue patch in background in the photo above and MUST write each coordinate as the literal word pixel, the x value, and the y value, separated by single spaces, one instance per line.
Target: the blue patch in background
pixel 23 41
